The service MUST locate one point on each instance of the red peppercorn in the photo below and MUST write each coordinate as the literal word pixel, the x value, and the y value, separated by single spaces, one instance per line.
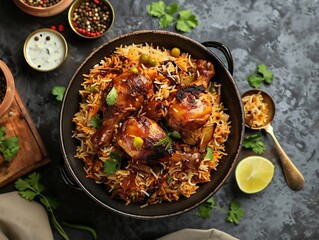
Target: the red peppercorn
pixel 61 28
pixel 53 27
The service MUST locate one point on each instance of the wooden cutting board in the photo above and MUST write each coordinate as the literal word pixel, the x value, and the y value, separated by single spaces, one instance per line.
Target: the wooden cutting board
pixel 32 153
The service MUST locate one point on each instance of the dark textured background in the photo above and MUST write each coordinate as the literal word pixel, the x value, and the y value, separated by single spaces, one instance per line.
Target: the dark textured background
pixel 282 34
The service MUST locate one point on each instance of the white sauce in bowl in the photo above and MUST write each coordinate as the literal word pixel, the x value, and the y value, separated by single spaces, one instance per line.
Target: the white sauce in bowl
pixel 45 49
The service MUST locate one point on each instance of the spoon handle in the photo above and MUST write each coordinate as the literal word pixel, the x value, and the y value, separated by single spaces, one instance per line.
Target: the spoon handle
pixel 294 178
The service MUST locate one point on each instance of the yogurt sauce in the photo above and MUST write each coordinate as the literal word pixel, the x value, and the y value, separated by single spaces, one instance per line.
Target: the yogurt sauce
pixel 45 49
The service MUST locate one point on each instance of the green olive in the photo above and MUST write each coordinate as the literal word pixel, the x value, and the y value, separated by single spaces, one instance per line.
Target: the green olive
pixel 152 62
pixel 144 58
pixel 138 142
pixel 175 52
pixel 134 69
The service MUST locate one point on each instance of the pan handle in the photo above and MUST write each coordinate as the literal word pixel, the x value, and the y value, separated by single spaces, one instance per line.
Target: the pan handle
pixel 225 50
pixel 66 176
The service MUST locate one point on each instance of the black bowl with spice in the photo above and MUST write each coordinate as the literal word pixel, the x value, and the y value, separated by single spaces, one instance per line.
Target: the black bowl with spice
pixel 91 18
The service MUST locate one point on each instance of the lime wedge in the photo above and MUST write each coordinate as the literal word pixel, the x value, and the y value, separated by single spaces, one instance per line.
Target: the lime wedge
pixel 253 174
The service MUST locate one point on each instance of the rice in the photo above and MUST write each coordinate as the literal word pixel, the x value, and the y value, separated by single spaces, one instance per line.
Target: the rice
pixel 178 174
pixel 255 110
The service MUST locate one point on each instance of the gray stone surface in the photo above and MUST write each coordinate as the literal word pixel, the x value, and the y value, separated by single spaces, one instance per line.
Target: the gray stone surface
pixel 282 34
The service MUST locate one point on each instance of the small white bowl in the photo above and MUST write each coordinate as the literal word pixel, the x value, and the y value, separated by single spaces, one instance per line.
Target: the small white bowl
pixel 45 49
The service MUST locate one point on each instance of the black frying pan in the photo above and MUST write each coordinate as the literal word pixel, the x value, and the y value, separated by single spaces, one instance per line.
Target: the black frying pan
pixel 73 171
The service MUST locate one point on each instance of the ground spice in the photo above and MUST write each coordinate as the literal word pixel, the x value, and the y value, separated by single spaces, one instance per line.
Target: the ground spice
pixel 41 3
pixel 3 86
pixel 92 18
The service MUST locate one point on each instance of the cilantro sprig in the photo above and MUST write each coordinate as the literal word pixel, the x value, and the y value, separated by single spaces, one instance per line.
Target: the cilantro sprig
pixel 255 143
pixel 184 22
pixel 58 92
pixel 30 189
pixel 234 214
pixel 111 97
pixel 263 74
pixel 205 209
pixel 113 163
pixel 9 147
pixel 168 140
pixel 95 121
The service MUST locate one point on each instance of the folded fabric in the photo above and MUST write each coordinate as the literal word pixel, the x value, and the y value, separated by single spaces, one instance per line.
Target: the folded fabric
pixel 195 234
pixel 21 219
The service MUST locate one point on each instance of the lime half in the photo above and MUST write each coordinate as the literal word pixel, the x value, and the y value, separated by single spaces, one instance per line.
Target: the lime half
pixel 254 173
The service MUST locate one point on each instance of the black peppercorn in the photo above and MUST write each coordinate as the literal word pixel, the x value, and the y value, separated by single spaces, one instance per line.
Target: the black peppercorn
pixel 3 86
pixel 40 3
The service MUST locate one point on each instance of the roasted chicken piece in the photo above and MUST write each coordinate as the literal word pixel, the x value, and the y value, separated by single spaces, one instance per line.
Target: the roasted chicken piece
pixel 137 137
pixel 192 106
pixel 132 90
pixel 154 109
pixel 206 71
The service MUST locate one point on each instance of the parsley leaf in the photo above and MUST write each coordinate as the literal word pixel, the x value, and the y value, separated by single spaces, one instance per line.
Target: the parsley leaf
pixel 263 70
pixel 113 163
pixel 58 92
pixel 172 8
pixel 262 75
pixel 205 209
pixel 95 121
pixel 255 143
pixel 9 147
pixel 111 97
pixel 186 21
pixel 156 9
pixel 235 212
pixel 175 134
pixel 254 80
pixel 166 20
pixel 168 139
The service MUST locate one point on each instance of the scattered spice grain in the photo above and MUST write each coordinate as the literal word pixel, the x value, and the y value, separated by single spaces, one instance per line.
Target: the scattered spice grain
pixel 41 3
pixel 3 86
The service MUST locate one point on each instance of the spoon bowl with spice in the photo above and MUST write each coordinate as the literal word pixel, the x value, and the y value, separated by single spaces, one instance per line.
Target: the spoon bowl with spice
pixel 259 110
pixel 91 19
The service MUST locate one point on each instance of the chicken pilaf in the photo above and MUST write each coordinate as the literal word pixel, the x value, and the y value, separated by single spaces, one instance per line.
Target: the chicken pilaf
pixel 151 124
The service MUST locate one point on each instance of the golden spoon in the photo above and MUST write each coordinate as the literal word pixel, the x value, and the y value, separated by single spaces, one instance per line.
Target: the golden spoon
pixel 294 178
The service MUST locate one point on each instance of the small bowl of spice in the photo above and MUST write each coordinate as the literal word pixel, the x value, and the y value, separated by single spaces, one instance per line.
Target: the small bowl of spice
pixel 91 18
pixel 45 49
pixel 7 88
pixel 43 8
